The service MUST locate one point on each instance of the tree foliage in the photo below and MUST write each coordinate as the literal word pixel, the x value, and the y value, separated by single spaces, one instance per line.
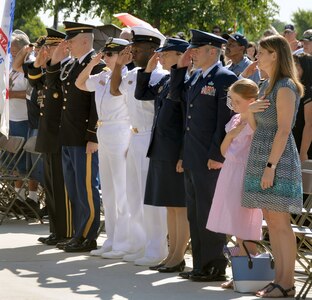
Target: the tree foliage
pixel 302 20
pixel 170 16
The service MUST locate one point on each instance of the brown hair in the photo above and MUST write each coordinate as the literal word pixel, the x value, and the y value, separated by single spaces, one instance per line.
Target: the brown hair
pixel 285 66
pixel 246 88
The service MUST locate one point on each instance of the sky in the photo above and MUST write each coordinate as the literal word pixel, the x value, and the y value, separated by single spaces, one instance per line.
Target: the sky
pixel 287 8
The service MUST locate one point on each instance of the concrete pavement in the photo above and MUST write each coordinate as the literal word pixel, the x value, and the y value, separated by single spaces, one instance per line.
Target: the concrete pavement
pixel 32 271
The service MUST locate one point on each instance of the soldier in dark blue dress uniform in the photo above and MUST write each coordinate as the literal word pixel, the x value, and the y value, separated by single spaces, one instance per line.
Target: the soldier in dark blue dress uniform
pixel 48 142
pixel 165 184
pixel 78 135
pixel 205 96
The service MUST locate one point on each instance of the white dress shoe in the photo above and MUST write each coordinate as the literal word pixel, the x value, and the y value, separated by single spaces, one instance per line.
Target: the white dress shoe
pixel 114 254
pixel 100 251
pixel 148 261
pixel 133 256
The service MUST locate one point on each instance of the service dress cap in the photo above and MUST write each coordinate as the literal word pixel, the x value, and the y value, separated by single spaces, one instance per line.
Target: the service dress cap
pixel 115 44
pixel 74 28
pixel 54 37
pixel 143 34
pixel 39 42
pixel 173 44
pixel 202 38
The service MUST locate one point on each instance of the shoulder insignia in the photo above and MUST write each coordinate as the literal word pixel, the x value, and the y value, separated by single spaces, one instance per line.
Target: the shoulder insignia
pixel 106 69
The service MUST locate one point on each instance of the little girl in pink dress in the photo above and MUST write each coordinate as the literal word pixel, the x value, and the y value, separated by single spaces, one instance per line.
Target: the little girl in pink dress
pixel 226 213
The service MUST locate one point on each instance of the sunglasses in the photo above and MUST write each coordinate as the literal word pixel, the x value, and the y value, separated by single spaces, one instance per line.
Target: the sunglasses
pixel 109 54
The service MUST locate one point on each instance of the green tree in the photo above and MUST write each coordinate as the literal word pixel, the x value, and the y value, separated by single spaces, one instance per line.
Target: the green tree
pixel 302 20
pixel 33 27
pixel 171 16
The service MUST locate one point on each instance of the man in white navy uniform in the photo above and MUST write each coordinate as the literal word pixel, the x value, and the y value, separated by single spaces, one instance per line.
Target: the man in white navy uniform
pixel 147 228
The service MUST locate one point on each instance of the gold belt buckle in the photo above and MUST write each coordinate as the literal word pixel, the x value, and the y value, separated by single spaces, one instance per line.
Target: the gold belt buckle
pixel 99 123
pixel 134 130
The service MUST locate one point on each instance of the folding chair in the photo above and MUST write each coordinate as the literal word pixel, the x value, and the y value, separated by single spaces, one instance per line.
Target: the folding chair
pixel 308 283
pixel 304 224
pixel 7 179
pixel 9 158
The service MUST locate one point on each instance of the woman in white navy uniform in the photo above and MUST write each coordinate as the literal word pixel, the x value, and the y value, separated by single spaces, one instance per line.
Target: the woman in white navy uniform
pixel 113 135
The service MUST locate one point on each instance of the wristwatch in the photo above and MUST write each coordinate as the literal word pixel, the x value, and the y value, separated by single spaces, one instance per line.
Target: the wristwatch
pixel 271 166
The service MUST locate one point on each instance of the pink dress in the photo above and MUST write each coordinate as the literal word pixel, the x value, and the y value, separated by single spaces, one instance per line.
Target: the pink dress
pixel 226 213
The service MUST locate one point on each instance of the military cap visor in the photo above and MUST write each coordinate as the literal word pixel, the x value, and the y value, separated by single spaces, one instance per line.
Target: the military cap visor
pixel 72 29
pixel 172 44
pixel 39 42
pixel 54 37
pixel 115 44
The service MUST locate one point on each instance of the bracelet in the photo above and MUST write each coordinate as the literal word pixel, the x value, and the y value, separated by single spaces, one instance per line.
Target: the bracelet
pixel 271 166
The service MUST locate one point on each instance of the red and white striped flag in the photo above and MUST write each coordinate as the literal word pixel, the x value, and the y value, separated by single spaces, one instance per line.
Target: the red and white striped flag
pixel 6 26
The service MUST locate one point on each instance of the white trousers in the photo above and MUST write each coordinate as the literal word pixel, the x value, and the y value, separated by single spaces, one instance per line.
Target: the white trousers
pixel 113 146
pixel 148 224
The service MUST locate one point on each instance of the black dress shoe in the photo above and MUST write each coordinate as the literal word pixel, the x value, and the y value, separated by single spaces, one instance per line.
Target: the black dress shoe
pixel 55 240
pixel 74 240
pixel 211 274
pixel 155 268
pixel 177 268
pixel 43 239
pixel 86 246
pixel 187 275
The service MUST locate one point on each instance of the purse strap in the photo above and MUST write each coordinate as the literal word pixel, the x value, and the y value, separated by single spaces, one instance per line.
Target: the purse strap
pixel 250 263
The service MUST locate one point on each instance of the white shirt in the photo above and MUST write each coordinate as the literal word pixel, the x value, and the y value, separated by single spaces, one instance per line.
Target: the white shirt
pixel 17 107
pixel 141 112
pixel 109 108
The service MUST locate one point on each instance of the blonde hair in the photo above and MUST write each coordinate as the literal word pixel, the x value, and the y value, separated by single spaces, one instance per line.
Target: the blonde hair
pixel 246 88
pixel 285 66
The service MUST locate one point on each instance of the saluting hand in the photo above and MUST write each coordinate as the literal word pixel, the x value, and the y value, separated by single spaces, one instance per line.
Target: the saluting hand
pixel 124 56
pixel 250 70
pixel 41 58
pixel 95 60
pixel 152 63
pixel 59 53
pixel 91 147
pixel 185 59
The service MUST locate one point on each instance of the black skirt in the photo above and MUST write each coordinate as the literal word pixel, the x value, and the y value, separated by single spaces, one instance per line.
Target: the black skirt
pixel 164 186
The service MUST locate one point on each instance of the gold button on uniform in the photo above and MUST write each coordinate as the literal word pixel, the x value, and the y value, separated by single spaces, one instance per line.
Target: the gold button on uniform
pixel 41 114
pixel 64 107
pixel 55 95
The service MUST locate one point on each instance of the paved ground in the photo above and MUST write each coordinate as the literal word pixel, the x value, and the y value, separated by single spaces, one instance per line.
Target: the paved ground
pixel 31 271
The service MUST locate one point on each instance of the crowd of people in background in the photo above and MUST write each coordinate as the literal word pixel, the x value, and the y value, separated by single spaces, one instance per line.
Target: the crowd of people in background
pixel 186 140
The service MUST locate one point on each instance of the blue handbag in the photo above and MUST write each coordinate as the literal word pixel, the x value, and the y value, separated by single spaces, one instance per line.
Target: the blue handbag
pixel 252 273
